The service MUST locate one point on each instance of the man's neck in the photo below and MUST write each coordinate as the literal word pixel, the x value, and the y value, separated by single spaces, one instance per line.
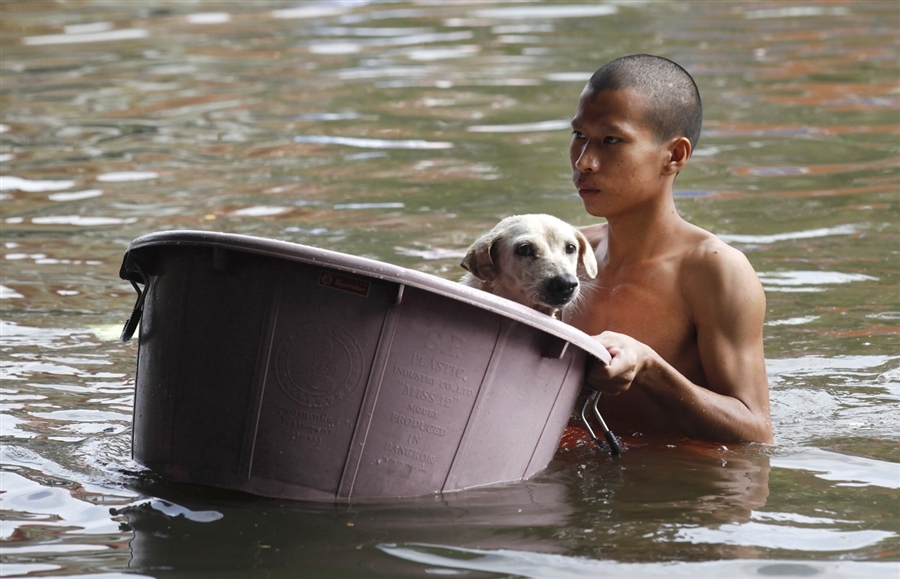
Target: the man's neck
pixel 637 236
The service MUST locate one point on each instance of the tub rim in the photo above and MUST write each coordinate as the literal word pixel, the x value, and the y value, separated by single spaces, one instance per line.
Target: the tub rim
pixel 362 266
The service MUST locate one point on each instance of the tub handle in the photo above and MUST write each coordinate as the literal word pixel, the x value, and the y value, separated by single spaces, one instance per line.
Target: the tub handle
pixel 593 400
pixel 135 317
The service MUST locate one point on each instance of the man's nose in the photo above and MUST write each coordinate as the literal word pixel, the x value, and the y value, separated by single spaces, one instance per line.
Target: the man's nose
pixel 587 159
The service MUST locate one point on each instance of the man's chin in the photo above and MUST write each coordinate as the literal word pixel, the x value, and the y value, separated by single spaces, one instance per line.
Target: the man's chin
pixel 593 207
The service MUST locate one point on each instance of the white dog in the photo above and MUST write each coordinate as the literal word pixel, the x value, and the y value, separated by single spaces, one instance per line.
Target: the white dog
pixel 530 259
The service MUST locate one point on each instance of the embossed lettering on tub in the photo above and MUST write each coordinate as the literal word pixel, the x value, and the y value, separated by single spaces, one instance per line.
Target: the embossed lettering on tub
pixel 318 365
pixel 445 343
pixel 308 425
pixel 431 381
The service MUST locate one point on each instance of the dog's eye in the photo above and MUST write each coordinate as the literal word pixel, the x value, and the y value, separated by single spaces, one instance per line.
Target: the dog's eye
pixel 571 248
pixel 524 250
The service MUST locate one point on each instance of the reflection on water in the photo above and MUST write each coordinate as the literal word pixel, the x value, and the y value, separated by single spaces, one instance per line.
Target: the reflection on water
pixel 399 131
pixel 541 566
pixel 285 537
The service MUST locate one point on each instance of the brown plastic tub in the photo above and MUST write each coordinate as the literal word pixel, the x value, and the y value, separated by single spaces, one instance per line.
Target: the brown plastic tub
pixel 289 371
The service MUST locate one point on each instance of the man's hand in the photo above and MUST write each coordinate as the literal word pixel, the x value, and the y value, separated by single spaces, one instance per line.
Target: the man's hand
pixel 629 357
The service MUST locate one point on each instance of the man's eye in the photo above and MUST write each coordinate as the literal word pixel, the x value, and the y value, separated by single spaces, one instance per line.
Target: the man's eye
pixel 524 250
pixel 577 135
pixel 611 140
pixel 571 248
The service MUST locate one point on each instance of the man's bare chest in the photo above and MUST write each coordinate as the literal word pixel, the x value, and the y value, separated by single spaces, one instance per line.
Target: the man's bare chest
pixel 648 306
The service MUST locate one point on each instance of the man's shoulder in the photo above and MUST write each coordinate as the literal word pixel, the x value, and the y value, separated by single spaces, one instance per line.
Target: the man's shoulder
pixel 711 267
pixel 706 250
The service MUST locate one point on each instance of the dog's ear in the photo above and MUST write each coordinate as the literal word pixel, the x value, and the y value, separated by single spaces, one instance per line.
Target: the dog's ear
pixel 479 260
pixel 586 255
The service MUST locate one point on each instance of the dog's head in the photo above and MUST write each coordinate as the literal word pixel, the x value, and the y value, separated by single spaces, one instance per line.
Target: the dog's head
pixel 533 260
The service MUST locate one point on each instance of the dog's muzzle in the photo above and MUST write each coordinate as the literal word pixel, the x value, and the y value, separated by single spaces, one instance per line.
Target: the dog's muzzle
pixel 561 289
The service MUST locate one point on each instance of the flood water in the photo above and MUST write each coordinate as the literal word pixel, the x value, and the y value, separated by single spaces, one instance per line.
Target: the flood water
pixel 399 131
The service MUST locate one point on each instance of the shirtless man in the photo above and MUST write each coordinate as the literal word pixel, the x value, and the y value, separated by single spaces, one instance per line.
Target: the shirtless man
pixel 680 311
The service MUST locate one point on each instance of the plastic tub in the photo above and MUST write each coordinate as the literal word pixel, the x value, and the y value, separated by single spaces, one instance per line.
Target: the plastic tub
pixel 288 371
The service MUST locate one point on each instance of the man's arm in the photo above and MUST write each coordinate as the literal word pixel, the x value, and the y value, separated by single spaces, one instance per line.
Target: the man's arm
pixel 728 305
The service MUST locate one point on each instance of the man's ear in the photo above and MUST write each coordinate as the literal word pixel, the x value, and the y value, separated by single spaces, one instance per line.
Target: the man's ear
pixel 479 260
pixel 679 151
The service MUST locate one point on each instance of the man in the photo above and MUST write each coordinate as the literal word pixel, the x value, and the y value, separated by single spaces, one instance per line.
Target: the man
pixel 680 311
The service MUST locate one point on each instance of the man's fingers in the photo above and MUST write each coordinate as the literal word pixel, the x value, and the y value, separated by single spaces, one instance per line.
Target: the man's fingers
pixel 606 379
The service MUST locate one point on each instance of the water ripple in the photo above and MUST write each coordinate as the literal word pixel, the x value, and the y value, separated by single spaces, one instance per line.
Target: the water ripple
pixel 442 559
pixel 545 12
pixel 373 143
pixel 846 229
pixel 108 36
pixel 753 534
pixel 849 470
pixel 808 281
pixel 8 182
pixel 555 125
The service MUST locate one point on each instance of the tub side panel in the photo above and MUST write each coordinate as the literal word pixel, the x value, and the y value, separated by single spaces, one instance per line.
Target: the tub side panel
pixel 201 339
pixel 561 411
pixel 512 413
pixel 434 372
pixel 325 337
pixel 156 384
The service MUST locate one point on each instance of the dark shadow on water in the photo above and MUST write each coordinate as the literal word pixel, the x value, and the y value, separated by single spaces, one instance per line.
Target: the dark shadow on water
pixel 631 507
pixel 190 531
pixel 585 505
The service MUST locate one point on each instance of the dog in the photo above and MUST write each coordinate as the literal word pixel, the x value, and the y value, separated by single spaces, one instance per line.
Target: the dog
pixel 531 259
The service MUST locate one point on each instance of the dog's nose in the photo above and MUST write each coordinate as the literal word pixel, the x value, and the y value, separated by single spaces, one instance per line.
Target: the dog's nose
pixel 562 286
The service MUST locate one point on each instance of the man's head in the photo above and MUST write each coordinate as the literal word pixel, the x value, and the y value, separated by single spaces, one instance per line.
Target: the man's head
pixel 671 98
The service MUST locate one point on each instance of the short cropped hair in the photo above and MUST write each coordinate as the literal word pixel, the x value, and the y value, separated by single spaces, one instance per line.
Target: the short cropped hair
pixel 673 100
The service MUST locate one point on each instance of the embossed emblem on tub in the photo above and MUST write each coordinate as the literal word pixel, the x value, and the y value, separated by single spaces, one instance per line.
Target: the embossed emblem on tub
pixel 318 365
pixel 344 283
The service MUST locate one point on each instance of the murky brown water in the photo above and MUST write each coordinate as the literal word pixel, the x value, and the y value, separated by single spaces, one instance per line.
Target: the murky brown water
pixel 399 131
